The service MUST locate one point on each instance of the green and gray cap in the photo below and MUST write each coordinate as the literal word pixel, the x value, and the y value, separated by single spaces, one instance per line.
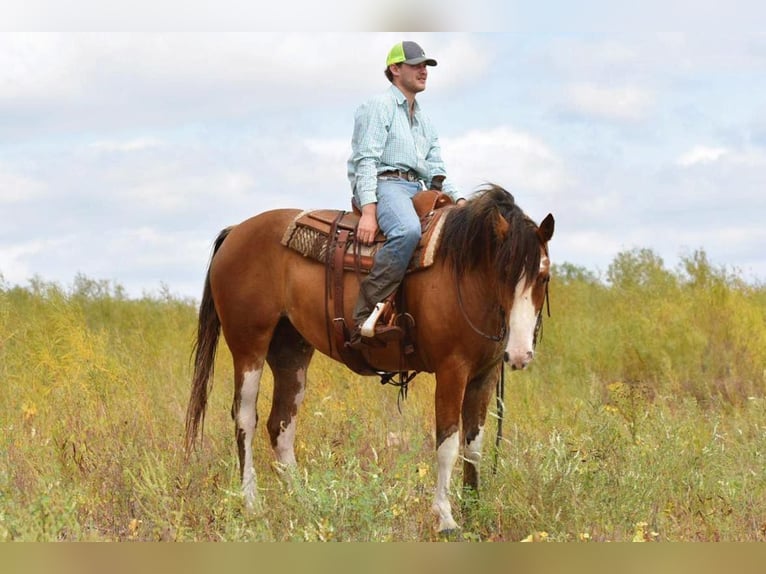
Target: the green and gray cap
pixel 408 53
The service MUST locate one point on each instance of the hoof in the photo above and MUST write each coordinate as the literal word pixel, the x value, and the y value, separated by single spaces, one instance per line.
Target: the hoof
pixel 450 534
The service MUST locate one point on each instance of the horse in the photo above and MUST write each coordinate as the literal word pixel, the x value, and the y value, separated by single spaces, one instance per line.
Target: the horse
pixel 479 304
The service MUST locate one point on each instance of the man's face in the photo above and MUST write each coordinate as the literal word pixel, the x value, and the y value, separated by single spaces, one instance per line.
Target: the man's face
pixel 413 78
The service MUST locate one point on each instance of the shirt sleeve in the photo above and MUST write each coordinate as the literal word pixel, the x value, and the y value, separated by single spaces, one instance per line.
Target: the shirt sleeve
pixel 371 125
pixel 437 167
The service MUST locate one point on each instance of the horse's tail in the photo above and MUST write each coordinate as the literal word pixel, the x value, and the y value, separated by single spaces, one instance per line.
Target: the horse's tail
pixel 208 332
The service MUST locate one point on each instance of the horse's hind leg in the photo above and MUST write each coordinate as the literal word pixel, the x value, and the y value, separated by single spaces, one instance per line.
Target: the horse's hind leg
pixel 289 356
pixel 247 380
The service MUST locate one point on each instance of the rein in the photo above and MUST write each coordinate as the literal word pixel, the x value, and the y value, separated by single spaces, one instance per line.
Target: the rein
pixel 503 329
pixel 500 403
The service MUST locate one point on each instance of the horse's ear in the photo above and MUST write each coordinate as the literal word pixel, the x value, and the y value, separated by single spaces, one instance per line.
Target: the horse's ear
pixel 546 228
pixel 501 226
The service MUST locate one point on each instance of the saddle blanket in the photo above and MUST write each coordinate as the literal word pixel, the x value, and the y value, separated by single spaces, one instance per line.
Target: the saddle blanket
pixel 309 235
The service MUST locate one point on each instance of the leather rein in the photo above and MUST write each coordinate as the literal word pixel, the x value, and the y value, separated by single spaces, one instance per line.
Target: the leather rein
pixel 503 328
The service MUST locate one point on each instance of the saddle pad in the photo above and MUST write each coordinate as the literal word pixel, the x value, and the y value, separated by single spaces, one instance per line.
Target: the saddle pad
pixel 309 235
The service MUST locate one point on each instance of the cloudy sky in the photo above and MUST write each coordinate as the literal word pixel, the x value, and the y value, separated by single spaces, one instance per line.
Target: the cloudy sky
pixel 123 154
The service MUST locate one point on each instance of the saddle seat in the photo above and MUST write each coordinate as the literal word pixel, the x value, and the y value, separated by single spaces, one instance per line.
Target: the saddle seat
pixel 311 234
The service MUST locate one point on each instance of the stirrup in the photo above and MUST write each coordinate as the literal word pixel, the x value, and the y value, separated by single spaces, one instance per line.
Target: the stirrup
pixel 368 327
pixel 382 336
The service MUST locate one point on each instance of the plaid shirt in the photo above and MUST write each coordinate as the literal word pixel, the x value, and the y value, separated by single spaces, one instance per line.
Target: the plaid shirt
pixel 385 140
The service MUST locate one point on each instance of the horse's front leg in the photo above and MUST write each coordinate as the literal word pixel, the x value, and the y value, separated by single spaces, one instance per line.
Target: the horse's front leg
pixel 449 397
pixel 478 394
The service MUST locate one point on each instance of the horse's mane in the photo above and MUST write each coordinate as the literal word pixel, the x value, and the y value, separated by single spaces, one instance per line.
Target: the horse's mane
pixel 472 237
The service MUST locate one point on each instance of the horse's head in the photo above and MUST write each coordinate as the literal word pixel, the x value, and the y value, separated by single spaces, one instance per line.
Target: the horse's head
pixel 491 235
pixel 530 293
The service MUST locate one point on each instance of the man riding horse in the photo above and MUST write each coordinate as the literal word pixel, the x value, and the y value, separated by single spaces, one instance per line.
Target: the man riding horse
pixel 395 154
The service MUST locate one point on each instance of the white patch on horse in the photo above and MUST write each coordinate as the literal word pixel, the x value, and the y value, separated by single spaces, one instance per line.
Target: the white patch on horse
pixel 521 327
pixel 285 447
pixel 246 419
pixel 446 456
pixel 473 448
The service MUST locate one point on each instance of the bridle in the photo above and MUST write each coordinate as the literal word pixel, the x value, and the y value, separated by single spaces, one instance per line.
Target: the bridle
pixel 503 328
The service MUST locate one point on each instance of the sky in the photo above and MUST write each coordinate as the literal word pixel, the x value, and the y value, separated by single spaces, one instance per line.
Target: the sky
pixel 123 154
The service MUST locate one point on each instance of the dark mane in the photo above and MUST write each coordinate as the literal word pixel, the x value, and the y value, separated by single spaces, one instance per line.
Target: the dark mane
pixel 472 237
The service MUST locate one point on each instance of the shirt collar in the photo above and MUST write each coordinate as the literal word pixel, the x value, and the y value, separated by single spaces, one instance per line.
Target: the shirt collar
pixel 401 98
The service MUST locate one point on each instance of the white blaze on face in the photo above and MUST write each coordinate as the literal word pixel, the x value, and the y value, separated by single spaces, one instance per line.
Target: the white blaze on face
pixel 522 320
pixel 246 419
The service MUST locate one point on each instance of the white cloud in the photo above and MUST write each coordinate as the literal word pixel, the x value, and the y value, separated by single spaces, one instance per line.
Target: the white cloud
pixel 751 157
pixel 15 264
pixel 176 191
pixel 38 67
pixel 155 249
pixel 329 150
pixel 460 61
pixel 125 146
pixel 16 188
pixel 119 78
pixel 603 59
pixel 596 245
pixel 325 161
pixel 505 156
pixel 701 154
pixel 626 103
pixel 733 237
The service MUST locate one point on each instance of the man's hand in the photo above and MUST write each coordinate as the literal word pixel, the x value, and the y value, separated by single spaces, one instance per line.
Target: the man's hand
pixel 368 224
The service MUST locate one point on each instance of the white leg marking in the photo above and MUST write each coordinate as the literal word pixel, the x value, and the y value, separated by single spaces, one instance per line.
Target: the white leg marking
pixel 446 456
pixel 285 447
pixel 246 419
pixel 473 448
pixel 284 450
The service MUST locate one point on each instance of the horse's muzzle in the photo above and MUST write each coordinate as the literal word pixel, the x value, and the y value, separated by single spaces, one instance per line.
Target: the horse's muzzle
pixel 519 362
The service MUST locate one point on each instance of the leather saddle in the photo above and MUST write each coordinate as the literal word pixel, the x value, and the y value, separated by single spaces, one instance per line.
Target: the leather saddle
pixel 329 236
pixel 313 234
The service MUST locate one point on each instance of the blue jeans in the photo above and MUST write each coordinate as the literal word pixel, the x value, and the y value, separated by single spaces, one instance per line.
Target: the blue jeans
pixel 400 224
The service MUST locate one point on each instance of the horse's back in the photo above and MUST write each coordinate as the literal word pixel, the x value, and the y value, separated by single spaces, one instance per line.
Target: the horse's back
pixel 248 268
pixel 256 237
pixel 256 280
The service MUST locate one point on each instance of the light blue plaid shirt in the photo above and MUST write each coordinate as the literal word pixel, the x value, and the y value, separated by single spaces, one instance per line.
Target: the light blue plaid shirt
pixel 384 140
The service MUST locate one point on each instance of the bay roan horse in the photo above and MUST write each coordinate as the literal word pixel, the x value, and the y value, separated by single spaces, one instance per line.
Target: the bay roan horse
pixel 478 304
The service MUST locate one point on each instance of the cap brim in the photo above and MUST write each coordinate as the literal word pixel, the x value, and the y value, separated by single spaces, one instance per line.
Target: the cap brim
pixel 416 61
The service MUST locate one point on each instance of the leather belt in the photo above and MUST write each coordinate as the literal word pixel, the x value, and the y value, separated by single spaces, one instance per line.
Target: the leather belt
pixel 396 174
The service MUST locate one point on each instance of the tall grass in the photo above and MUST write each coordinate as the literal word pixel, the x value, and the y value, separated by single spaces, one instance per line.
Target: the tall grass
pixel 643 417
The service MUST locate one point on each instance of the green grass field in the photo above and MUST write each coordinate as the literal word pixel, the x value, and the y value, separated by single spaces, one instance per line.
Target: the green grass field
pixel 643 417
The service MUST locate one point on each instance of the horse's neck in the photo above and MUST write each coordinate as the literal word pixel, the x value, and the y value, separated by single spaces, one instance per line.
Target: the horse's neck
pixel 479 289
